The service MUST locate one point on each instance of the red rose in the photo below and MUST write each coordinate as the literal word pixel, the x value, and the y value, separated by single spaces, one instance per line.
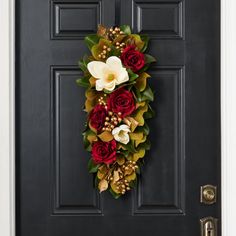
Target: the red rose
pixel 104 152
pixel 132 58
pixel 121 100
pixel 97 117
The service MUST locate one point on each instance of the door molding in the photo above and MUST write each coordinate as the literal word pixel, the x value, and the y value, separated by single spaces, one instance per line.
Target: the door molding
pixel 228 115
pixel 7 105
pixel 7 149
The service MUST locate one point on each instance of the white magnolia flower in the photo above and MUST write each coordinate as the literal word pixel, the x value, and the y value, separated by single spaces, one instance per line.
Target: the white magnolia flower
pixel 108 74
pixel 121 134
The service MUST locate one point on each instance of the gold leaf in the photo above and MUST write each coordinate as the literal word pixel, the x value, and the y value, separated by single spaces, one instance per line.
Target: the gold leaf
pixel 131 177
pixel 139 115
pixel 120 160
pixel 119 146
pixel 103 168
pixel 130 157
pixel 103 185
pixel 128 171
pixel 140 104
pixel 106 136
pixel 92 81
pixel 100 175
pixel 135 39
pixel 139 154
pixel 91 99
pixel 98 48
pixel 116 176
pixel 137 142
pixel 91 127
pixel 88 105
pixel 141 81
pixel 136 135
pixel 92 138
pixel 113 186
pixel 138 138
pixel 119 38
pixel 102 171
pixel 131 122
pixel 101 30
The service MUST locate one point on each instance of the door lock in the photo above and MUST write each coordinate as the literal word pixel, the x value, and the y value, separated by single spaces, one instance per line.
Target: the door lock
pixel 208 194
pixel 208 226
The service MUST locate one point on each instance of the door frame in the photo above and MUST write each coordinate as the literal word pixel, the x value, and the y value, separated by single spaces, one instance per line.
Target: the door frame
pixel 7 117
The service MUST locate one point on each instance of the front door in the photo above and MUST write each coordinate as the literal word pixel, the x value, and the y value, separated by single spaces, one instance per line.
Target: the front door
pixel 55 193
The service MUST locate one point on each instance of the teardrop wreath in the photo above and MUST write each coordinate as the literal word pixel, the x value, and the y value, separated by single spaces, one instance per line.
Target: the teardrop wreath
pixel 118 104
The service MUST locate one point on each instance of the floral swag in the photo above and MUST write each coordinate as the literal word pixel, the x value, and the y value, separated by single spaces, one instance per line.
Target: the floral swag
pixel 118 104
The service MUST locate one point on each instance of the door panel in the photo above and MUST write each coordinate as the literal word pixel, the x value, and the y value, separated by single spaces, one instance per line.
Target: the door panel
pixel 72 193
pixel 55 193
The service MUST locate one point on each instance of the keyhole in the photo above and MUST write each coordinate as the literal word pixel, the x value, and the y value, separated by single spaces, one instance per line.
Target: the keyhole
pixel 208 232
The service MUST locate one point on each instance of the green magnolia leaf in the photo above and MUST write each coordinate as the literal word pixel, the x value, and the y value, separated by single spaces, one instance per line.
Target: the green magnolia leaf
pixel 132 75
pixel 138 171
pixel 115 51
pixel 96 181
pixel 124 152
pixel 138 95
pixel 141 81
pixel 147 94
pixel 91 40
pixel 129 146
pixel 115 195
pixel 126 29
pixel 146 145
pixel 145 39
pixel 149 59
pixel 84 82
pixel 128 85
pixel 87 143
pixel 82 66
pixel 144 68
pixel 86 59
pixel 107 91
pixel 145 129
pixel 150 113
pixel 133 183
pixel 92 167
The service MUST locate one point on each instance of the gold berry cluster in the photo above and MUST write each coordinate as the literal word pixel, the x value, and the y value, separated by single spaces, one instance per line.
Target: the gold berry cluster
pixel 120 46
pixel 104 52
pixel 112 121
pixel 129 167
pixel 102 100
pixel 114 32
pixel 122 185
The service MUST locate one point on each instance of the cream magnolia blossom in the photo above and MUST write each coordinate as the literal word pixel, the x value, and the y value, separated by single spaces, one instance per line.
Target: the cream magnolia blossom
pixel 121 134
pixel 108 74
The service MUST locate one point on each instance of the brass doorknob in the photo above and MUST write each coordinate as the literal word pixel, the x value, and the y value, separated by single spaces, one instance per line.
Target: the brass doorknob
pixel 208 194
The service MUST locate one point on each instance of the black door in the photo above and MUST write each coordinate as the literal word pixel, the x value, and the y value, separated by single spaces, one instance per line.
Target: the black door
pixel 55 193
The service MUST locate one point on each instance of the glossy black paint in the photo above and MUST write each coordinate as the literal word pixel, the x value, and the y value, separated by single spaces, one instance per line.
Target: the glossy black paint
pixel 55 194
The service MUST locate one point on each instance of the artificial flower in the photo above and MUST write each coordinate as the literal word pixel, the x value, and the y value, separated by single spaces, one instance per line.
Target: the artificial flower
pixel 108 74
pixel 97 117
pixel 132 58
pixel 121 101
pixel 104 152
pixel 121 134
